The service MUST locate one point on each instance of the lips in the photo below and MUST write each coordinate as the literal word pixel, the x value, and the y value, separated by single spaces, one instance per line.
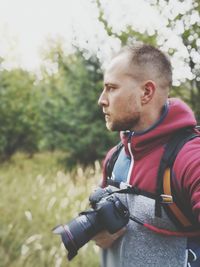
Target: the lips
pixel 106 114
pixel 106 117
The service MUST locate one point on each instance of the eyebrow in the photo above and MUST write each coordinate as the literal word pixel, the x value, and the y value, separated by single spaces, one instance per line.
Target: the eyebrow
pixel 111 84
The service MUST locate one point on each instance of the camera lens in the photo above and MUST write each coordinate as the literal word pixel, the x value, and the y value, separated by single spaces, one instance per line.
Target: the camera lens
pixel 78 232
pixel 107 213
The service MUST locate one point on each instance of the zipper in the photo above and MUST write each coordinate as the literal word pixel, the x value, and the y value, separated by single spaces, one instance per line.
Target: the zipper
pixel 132 158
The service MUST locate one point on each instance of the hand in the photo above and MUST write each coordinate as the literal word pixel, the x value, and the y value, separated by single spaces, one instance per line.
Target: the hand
pixel 105 240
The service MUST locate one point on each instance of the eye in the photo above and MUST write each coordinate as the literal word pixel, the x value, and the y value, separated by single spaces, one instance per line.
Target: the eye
pixel 110 87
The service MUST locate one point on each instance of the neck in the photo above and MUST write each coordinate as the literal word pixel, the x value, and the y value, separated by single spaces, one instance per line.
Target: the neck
pixel 148 119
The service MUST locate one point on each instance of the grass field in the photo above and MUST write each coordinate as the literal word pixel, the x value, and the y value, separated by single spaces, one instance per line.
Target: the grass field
pixel 37 194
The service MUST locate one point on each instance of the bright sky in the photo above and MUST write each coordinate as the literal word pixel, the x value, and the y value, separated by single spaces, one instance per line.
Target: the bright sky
pixel 25 26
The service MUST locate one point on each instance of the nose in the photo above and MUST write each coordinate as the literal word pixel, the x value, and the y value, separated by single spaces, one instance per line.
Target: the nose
pixel 103 100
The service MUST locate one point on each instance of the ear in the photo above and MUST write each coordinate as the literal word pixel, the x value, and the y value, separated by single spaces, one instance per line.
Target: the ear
pixel 148 91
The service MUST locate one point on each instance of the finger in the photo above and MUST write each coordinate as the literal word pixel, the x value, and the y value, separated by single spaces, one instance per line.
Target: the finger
pixel 101 235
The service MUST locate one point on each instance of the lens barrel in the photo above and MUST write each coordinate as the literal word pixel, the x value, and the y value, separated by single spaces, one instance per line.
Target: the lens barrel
pixel 107 212
pixel 78 232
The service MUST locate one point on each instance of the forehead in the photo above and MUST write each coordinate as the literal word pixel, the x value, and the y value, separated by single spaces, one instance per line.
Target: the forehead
pixel 119 68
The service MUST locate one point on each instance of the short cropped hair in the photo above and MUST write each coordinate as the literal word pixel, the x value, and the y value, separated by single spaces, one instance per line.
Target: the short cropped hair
pixel 151 61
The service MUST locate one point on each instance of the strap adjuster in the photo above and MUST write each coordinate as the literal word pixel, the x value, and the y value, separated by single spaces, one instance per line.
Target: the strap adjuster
pixel 123 185
pixel 166 199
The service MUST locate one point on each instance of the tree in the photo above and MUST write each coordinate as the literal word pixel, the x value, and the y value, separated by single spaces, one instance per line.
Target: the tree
pixel 74 122
pixel 191 40
pixel 19 116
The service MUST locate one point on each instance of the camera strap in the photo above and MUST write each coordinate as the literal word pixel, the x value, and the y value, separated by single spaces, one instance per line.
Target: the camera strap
pixel 164 231
pixel 125 188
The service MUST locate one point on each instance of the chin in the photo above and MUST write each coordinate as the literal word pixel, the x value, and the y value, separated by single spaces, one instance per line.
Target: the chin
pixel 113 128
pixel 110 127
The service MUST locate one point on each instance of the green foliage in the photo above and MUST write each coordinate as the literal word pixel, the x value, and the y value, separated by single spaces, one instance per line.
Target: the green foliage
pixel 61 112
pixel 36 195
pixel 73 121
pixel 19 115
pixel 190 90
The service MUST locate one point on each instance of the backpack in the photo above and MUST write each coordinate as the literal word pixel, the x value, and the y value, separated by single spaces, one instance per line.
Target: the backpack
pixel 165 195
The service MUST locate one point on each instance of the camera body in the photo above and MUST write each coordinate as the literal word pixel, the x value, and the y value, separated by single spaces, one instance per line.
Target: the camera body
pixel 107 213
pixel 111 213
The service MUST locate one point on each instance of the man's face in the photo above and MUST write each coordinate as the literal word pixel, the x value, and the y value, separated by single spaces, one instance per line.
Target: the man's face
pixel 121 96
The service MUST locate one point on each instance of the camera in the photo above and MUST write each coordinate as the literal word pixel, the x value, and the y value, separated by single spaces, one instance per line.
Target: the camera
pixel 107 213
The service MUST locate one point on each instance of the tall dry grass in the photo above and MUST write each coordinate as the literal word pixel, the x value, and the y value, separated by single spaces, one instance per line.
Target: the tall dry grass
pixel 37 194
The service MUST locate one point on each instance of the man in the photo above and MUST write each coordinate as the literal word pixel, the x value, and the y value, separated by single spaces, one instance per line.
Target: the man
pixel 135 102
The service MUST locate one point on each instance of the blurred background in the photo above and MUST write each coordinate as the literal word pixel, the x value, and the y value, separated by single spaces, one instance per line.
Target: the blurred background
pixel 52 134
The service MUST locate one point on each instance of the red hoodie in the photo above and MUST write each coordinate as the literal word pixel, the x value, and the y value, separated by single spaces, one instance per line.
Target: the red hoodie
pixel 147 148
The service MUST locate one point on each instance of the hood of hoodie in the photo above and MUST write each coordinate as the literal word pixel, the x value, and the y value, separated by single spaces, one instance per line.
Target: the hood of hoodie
pixel 175 116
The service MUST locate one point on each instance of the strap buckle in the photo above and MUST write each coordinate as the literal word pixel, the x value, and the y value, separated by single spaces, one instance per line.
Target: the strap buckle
pixel 166 199
pixel 124 185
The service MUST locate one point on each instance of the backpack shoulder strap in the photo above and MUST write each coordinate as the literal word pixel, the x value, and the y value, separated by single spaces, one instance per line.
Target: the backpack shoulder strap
pixel 177 214
pixel 164 193
pixel 174 212
pixel 111 161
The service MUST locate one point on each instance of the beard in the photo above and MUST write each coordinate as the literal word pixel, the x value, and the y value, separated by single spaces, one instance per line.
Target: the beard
pixel 123 124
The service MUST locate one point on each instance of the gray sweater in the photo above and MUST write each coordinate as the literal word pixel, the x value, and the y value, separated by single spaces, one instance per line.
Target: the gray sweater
pixel 140 247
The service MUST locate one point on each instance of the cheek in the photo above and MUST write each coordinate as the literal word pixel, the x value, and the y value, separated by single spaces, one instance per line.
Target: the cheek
pixel 125 103
pixel 132 104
